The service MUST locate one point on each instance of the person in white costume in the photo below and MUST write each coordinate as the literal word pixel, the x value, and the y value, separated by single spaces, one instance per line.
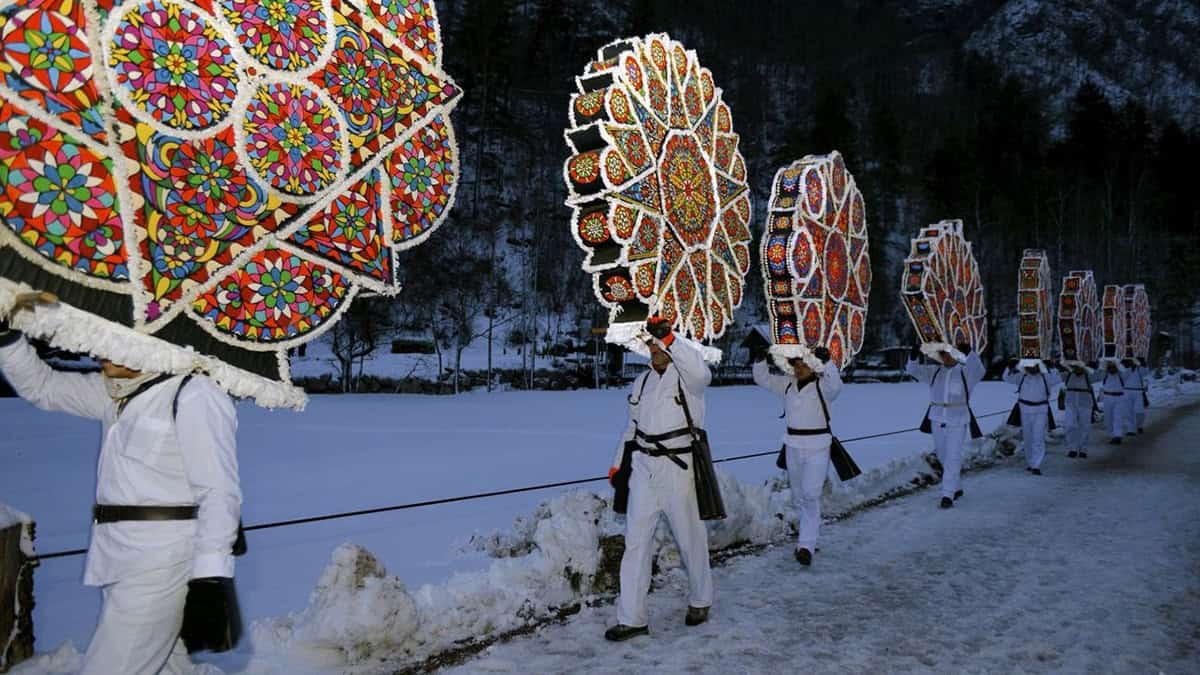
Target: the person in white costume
pixel 951 379
pixel 814 384
pixel 662 480
pixel 1078 402
pixel 1137 376
pixel 1035 385
pixel 1112 386
pixel 168 503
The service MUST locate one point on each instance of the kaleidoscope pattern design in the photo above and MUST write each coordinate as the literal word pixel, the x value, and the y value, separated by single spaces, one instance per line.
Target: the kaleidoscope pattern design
pixel 1035 317
pixel 1079 331
pixel 227 174
pixel 1137 321
pixel 657 187
pixel 941 287
pixel 816 265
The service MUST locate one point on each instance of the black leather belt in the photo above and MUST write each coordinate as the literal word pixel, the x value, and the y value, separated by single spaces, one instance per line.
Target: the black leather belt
pixel 108 513
pixel 1082 391
pixel 1114 393
pixel 807 432
pixel 1023 401
pixel 1135 389
pixel 659 438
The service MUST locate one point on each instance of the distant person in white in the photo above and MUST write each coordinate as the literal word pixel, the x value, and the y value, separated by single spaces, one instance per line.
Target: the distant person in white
pixel 808 434
pixel 1137 375
pixel 1078 402
pixel 662 481
pixel 1035 385
pixel 1112 386
pixel 167 496
pixel 951 380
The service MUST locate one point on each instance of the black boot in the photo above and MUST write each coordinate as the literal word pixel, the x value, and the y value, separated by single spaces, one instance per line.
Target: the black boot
pixel 1036 472
pixel 957 494
pixel 804 556
pixel 1083 454
pixel 1130 433
pixel 1116 440
pixel 947 502
pixel 621 632
pixel 1141 430
pixel 696 615
pixel 1072 454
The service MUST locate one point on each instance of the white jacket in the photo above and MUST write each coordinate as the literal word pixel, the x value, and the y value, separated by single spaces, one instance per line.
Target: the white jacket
pixel 801 405
pixel 1038 389
pixel 1079 390
pixel 1136 379
pixel 149 457
pixel 947 398
pixel 652 406
pixel 1113 384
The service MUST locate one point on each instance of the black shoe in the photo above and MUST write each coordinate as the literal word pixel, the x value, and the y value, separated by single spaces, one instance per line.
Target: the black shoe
pixel 696 615
pixel 1130 433
pixel 1115 441
pixel 1036 472
pixel 1141 431
pixel 1072 454
pixel 947 502
pixel 957 494
pixel 1029 468
pixel 621 632
pixel 804 556
pixel 1082 454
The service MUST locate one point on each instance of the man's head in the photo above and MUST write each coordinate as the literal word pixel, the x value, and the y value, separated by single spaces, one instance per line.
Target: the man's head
pixel 1078 369
pixel 1031 369
pixel 947 359
pixel 1110 366
pixel 117 372
pixel 1128 362
pixel 659 358
pixel 800 369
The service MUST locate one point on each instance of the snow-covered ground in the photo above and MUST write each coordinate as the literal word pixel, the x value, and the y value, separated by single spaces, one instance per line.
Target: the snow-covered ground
pixel 1089 568
pixel 351 452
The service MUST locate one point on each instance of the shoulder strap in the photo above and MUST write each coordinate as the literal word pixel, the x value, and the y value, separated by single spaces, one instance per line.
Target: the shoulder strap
pixel 687 412
pixel 141 390
pixel 966 389
pixel 824 408
pixel 1046 384
pixel 933 379
pixel 175 402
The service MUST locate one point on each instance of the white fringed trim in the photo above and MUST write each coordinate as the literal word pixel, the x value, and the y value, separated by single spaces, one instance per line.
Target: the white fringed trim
pixel 69 328
pixel 1112 359
pixel 1078 364
pixel 632 335
pixel 934 349
pixel 1032 363
pixel 783 354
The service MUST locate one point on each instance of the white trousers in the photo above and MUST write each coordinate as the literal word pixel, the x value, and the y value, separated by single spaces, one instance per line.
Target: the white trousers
pixel 1135 409
pixel 658 487
pixel 1078 422
pixel 807 469
pixel 1114 415
pixel 1033 432
pixel 948 443
pixel 138 632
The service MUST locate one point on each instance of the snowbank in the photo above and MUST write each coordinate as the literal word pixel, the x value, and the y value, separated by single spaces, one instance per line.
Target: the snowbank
pixel 562 556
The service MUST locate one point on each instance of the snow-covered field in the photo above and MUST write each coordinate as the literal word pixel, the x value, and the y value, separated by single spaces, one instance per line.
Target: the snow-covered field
pixel 353 452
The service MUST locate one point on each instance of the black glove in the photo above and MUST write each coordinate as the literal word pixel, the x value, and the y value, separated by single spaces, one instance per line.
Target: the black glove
pixel 211 618
pixel 658 327
pixel 964 347
pixel 822 354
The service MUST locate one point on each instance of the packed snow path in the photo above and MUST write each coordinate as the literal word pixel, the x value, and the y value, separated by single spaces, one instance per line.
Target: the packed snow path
pixel 1092 567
